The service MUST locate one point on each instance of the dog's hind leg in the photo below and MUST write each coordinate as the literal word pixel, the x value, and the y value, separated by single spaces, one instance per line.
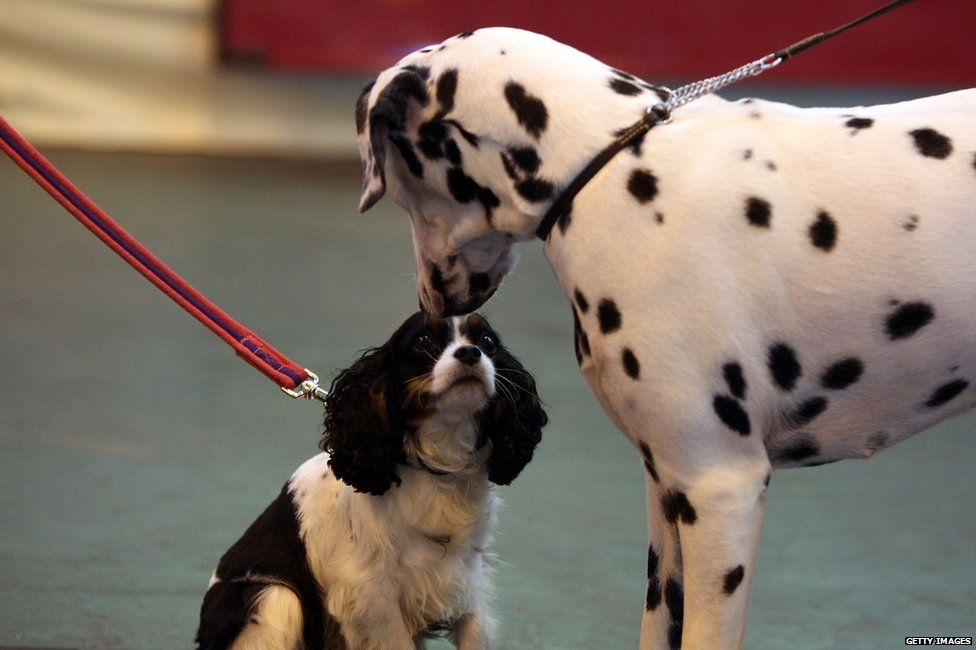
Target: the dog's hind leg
pixel 718 545
pixel 275 622
pixel 662 620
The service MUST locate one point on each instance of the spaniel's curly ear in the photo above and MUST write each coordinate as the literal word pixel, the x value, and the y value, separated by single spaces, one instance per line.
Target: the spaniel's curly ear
pixel 513 420
pixel 362 437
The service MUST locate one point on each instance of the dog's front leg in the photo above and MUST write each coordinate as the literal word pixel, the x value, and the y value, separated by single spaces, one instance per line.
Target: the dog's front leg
pixel 662 620
pixel 718 546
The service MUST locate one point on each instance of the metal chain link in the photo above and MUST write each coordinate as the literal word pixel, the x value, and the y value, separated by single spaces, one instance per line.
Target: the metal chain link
pixel 692 91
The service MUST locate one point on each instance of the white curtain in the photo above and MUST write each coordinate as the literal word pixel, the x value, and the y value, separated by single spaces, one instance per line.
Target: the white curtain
pixel 144 75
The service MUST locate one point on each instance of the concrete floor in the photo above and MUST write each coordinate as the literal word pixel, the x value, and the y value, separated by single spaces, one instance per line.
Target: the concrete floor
pixel 134 447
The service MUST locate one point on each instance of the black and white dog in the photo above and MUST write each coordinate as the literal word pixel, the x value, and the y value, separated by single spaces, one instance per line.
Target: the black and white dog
pixel 384 539
pixel 753 285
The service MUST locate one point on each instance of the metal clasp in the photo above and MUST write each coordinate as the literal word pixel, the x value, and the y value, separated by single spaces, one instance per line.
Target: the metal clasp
pixel 308 389
pixel 768 62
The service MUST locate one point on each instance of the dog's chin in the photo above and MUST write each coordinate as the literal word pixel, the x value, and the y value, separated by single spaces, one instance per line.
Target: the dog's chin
pixel 466 394
pixel 455 306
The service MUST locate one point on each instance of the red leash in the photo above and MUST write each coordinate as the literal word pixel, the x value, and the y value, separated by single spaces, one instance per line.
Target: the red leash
pixel 293 379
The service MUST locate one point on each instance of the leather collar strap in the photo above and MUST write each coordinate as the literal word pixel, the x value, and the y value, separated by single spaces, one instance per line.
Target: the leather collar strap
pixel 564 202
pixel 662 112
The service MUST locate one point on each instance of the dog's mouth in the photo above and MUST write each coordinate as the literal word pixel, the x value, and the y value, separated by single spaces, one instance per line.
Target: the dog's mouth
pixel 468 382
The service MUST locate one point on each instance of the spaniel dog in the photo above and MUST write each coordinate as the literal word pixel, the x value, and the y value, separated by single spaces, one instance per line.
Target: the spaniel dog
pixel 382 541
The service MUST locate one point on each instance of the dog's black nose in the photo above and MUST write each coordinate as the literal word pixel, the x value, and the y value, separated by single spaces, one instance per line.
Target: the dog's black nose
pixel 467 354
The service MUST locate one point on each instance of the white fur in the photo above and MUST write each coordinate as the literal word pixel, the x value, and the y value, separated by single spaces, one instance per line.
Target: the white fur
pixel 705 287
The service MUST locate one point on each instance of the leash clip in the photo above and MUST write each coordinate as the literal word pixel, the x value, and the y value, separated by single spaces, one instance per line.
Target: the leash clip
pixel 768 62
pixel 308 389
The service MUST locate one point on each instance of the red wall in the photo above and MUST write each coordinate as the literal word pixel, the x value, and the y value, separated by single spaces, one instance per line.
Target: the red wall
pixel 926 42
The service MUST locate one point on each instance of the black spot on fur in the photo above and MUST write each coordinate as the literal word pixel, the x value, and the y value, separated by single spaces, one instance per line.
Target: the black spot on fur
pixel 770 165
pixel 946 393
pixel 758 212
pixel 732 415
pixel 732 580
pixel 526 158
pixel 676 506
pixel 631 364
pixel 747 154
pixel 453 152
pixel 488 199
pixel 534 189
pixel 464 34
pixel 446 87
pixel 911 223
pixel 625 87
pixel 931 143
pixel 653 598
pixel 766 480
pixel 642 185
pixel 609 316
pixel 408 154
pixel 800 449
pixel 530 111
pixel 478 283
pixel 858 123
pixel 463 188
pixel 908 319
pixel 842 374
pixel 421 71
pixel 674 598
pixel 581 341
pixel 784 366
pixel 623 75
pixel 432 135
pixel 733 377
pixel 648 460
pixel 807 411
pixel 581 301
pixel 659 218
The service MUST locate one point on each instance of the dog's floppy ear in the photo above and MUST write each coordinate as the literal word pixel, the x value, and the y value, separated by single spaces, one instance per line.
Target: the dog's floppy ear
pixel 512 421
pixel 363 440
pixel 386 116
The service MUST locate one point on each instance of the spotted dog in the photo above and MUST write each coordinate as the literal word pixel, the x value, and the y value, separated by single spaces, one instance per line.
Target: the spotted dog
pixel 752 286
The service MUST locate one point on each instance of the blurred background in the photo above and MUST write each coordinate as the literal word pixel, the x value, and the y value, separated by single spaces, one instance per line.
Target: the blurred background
pixel 134 448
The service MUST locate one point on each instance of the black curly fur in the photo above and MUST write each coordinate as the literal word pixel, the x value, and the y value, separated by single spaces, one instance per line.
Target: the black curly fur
pixel 513 420
pixel 362 435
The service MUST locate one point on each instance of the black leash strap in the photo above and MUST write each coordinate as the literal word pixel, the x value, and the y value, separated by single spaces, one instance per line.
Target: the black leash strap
pixel 662 112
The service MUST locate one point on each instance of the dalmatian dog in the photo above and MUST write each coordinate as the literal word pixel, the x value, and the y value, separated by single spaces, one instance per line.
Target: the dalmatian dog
pixel 752 285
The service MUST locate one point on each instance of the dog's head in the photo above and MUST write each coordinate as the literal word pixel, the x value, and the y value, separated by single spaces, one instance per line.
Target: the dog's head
pixel 441 394
pixel 474 137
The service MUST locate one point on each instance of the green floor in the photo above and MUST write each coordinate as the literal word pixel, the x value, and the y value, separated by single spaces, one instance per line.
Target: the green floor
pixel 134 447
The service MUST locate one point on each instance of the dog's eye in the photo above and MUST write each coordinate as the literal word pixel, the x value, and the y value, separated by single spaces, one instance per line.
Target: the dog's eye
pixel 424 342
pixel 489 343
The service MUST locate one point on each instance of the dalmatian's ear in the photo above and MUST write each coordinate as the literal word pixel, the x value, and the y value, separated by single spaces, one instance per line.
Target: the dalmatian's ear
pixel 372 155
pixel 379 118
pixel 372 149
